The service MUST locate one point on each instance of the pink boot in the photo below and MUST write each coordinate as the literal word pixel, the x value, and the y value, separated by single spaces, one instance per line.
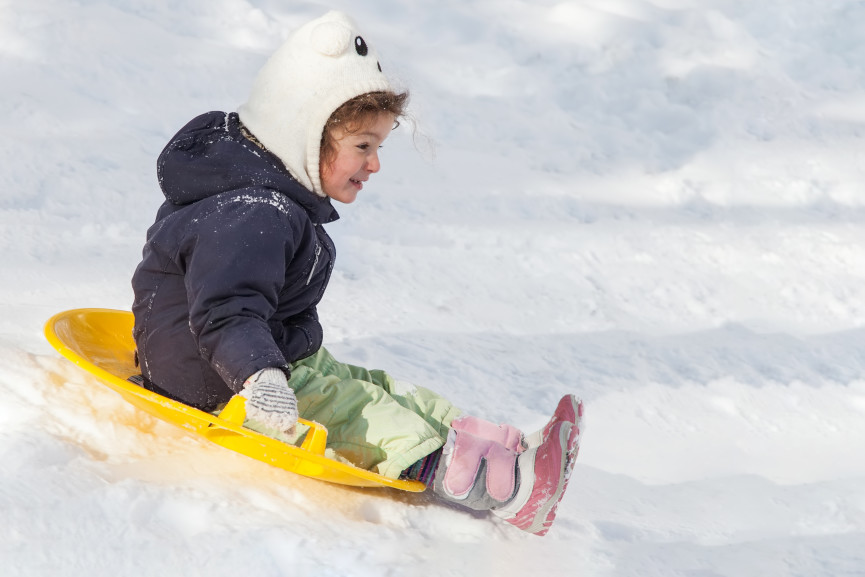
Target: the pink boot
pixel 522 488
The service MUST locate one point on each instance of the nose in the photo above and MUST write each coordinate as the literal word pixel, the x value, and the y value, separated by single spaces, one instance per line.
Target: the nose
pixel 373 164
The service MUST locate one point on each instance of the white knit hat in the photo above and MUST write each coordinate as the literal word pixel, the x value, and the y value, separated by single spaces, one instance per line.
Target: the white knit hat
pixel 322 65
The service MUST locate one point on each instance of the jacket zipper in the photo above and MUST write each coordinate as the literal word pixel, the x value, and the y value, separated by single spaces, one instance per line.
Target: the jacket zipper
pixel 314 263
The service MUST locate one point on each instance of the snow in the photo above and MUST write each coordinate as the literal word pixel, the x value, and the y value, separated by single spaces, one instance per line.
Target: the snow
pixel 655 204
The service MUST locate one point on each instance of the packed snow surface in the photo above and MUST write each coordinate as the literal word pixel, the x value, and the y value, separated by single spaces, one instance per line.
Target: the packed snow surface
pixel 655 204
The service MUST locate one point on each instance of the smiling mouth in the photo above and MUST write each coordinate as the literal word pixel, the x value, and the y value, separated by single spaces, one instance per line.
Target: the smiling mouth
pixel 356 182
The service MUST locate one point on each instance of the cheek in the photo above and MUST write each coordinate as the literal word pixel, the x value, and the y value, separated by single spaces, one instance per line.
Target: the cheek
pixel 342 166
pixel 330 171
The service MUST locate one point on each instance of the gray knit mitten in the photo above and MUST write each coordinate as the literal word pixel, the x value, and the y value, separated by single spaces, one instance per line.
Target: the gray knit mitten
pixel 270 400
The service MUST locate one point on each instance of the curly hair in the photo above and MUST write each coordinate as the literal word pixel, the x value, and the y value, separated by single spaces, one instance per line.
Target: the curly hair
pixel 355 113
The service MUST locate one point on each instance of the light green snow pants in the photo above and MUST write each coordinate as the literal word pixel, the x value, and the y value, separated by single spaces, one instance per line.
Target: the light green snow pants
pixel 373 421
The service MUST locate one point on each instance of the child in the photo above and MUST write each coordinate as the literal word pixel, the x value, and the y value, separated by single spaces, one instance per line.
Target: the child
pixel 238 259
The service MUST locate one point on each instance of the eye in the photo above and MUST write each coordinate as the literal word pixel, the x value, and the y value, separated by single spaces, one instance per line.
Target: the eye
pixel 360 46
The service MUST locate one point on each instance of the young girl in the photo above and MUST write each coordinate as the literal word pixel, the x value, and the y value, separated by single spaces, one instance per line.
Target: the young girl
pixel 238 259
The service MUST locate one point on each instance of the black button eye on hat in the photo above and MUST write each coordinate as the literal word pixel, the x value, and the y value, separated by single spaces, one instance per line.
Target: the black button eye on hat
pixel 360 46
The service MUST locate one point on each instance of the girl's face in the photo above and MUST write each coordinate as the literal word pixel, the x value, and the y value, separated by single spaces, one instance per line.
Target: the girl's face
pixel 355 159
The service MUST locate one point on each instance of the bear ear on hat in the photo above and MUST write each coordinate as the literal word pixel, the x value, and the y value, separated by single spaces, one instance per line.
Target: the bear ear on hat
pixel 331 38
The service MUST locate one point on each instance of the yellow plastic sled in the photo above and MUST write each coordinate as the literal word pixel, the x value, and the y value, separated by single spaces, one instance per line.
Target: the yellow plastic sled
pixel 100 342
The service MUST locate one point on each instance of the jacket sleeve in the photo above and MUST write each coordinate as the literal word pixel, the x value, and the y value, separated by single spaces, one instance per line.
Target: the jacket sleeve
pixel 299 336
pixel 235 260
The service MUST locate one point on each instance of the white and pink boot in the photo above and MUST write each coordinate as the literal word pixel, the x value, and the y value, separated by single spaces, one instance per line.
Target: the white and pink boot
pixel 519 478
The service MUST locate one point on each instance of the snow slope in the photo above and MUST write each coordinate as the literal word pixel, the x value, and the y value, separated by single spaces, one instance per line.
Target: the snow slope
pixel 656 204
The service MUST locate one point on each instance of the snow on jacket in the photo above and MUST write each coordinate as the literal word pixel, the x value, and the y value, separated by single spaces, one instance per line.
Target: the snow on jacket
pixel 232 269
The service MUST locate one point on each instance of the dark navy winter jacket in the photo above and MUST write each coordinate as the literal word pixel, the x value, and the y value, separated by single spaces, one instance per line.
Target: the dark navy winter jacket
pixel 232 269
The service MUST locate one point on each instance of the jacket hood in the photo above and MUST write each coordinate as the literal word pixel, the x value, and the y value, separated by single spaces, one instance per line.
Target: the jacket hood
pixel 210 156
